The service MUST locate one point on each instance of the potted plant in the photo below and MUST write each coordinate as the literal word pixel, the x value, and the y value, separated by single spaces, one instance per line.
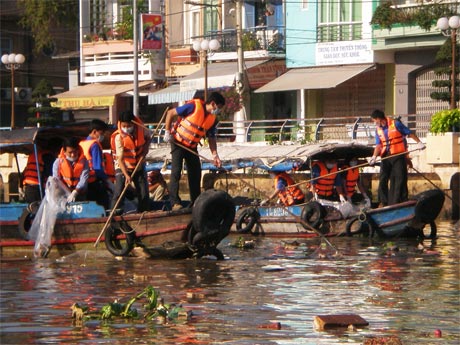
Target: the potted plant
pixel 445 121
pixel 443 139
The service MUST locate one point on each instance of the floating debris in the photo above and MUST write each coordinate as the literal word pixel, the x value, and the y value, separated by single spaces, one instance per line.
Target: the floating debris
pixel 154 308
pixel 242 243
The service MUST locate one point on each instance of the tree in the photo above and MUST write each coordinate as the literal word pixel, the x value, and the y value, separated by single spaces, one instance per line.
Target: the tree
pixel 43 112
pixel 45 17
pixel 444 61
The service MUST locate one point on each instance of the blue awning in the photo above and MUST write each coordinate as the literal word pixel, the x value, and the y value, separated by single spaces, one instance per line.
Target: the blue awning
pixel 171 94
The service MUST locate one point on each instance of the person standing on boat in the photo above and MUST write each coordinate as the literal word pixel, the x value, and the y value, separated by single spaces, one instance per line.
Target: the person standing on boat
pixel 72 168
pixel 352 179
pixel 390 140
pixel 130 144
pixel 30 180
pixel 185 126
pixel 286 190
pixel 326 181
pixel 100 188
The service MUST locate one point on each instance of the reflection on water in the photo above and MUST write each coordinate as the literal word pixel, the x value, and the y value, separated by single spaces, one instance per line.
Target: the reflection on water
pixel 409 292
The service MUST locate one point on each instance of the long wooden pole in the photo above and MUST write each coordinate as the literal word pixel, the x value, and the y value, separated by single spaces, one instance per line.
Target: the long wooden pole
pixel 112 212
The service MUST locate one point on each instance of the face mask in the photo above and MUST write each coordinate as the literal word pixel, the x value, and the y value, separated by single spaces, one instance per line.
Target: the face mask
pixel 215 111
pixel 127 130
pixel 71 159
pixel 353 163
pixel 330 165
pixel 101 138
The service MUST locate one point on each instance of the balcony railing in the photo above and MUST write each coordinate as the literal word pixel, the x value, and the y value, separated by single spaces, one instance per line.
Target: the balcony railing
pixel 308 130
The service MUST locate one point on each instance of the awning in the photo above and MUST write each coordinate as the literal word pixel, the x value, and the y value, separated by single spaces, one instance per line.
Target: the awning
pixel 171 94
pixel 220 74
pixel 94 95
pixel 323 77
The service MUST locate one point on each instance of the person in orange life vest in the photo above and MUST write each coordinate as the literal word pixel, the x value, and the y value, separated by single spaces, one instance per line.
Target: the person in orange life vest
pixel 286 194
pixel 158 187
pixel 192 121
pixel 351 180
pixel 46 158
pixel 109 166
pixel 326 181
pixel 99 185
pixel 72 168
pixel 390 140
pixel 130 144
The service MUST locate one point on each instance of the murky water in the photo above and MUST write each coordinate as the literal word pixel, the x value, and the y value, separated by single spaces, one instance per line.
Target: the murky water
pixel 236 301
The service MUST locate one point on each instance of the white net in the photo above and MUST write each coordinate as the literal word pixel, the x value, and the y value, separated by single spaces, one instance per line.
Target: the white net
pixel 42 227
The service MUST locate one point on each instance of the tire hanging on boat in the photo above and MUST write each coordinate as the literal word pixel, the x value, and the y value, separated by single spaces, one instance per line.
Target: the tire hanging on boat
pixel 26 219
pixel 433 231
pixel 212 216
pixel 429 205
pixel 119 238
pixel 351 230
pixel 246 220
pixel 313 214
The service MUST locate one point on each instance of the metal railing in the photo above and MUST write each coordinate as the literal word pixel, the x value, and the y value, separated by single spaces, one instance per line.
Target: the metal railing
pixel 275 131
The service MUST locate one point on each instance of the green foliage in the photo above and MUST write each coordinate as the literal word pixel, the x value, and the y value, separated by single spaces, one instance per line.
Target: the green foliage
pixel 46 18
pixel 154 307
pixel 444 69
pixel 445 121
pixel 48 114
pixel 232 102
pixel 387 14
pixel 250 41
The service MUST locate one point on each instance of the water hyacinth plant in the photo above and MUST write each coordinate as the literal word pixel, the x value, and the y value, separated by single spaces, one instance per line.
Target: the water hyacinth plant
pixel 445 121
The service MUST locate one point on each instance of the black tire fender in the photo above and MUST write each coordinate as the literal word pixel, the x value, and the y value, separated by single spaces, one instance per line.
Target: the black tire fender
pixel 351 230
pixel 246 220
pixel 212 216
pixel 313 214
pixel 115 243
pixel 26 219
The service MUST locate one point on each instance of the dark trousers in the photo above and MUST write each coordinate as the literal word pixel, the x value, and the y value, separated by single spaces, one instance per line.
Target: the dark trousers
pixel 32 193
pixel 140 183
pixel 98 192
pixel 193 165
pixel 393 180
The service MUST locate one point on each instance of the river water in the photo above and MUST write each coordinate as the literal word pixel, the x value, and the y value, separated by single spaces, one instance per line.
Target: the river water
pixel 405 293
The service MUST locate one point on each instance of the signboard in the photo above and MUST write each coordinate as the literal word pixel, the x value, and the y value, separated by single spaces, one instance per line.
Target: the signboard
pixel 152 32
pixel 84 102
pixel 344 52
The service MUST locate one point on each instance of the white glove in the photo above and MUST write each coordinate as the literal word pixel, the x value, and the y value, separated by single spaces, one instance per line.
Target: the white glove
pixel 263 202
pixel 372 161
pixel 342 198
pixel 420 146
pixel 167 136
pixel 315 196
pixel 72 196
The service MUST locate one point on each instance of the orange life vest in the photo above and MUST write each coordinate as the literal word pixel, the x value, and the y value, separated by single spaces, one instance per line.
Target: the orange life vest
pixel 86 147
pixel 30 173
pixel 133 144
pixel 189 130
pixel 109 166
pixel 325 185
pixel 351 180
pixel 289 195
pixel 396 140
pixel 69 174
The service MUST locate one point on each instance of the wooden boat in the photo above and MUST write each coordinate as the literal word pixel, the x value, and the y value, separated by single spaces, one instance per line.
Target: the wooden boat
pixel 189 231
pixel 408 218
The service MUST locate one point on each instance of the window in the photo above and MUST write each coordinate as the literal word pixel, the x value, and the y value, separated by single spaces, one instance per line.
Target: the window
pixel 340 20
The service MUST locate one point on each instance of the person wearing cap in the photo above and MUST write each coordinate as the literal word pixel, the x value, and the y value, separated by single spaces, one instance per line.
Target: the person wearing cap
pixel 351 179
pixel 99 186
pixel 285 189
pixel 391 145
pixel 130 144
pixel 185 126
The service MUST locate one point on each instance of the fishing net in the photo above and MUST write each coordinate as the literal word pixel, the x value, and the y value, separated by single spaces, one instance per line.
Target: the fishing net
pixel 42 227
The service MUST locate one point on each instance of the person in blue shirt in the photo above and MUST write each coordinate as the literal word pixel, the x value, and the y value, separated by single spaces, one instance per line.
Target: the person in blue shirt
pixel 327 181
pixel 185 126
pixel 391 144
pixel 100 187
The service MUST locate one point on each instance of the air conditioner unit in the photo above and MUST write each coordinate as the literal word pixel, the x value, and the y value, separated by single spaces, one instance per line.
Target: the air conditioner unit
pixel 23 94
pixel 5 94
